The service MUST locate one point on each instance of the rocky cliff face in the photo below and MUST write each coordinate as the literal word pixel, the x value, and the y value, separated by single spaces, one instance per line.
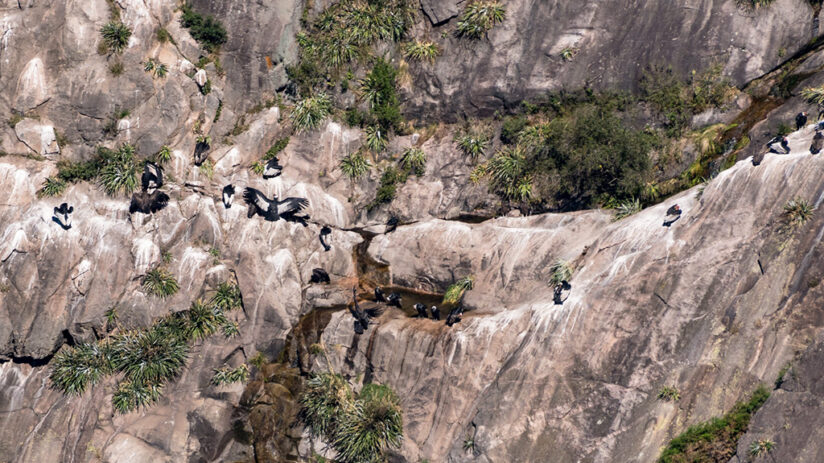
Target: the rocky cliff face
pixel 713 305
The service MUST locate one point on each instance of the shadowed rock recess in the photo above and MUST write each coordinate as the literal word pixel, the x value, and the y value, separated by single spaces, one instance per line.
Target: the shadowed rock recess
pixel 664 327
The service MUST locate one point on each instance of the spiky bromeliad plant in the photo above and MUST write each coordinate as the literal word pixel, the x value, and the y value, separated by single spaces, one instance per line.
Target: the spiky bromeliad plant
pixel 761 447
pixel 669 393
pixel 227 375
pixel 422 51
pixel 150 356
pixel 227 296
pixel 164 155
pixel 326 397
pixel 373 425
pixel 472 143
pixel 561 271
pixel 414 160
pixel 131 395
pixel 257 167
pixel 627 208
pixel 354 165
pixel 479 17
pixel 159 282
pixel 813 95
pixel 797 212
pixel 52 187
pixel 115 36
pixel 310 112
pixel 119 171
pixel 74 369
pixel 203 320
pixel 456 290
pixel 376 138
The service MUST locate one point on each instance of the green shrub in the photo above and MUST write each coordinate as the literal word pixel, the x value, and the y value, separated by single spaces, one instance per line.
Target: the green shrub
pixel 115 36
pixel 203 320
pixel 82 171
pixel 716 439
pixel 354 165
pixel 52 187
pixel 164 155
pixel 376 138
pixel 511 129
pixel 797 212
pixel 379 89
pixel 473 143
pixel 422 51
pixel 509 175
pixel 207 30
pixel 325 399
pixel 454 293
pixel 669 394
pixel 163 35
pixel 627 208
pixel 310 112
pixel 159 282
pixel 259 360
pixel 75 369
pixel 782 373
pixel 414 160
pixel 207 87
pixel 151 356
pixel 116 68
pixel 389 181
pixel 258 167
pixel 230 329
pixel 561 271
pixel 14 119
pixel 118 172
pixel 131 395
pixel 275 149
pixel 479 17
pixel 228 375
pixel 373 425
pixel 227 297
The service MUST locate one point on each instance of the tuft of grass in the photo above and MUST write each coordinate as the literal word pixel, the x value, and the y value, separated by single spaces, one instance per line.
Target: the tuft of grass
pixel 669 394
pixel 118 173
pixel 257 167
pixel 813 95
pixel 414 160
pixel 115 36
pixel 207 168
pixel 797 212
pixel 159 282
pixel 326 397
pixel 389 184
pixel 116 68
pixel 316 349
pixel 354 165
pixel 14 119
pixel 479 17
pixel 163 156
pixel 228 375
pixel 469 444
pixel 627 208
pixel 372 426
pixel 561 271
pixel 52 187
pixel 455 292
pixel 422 51
pixel 309 113
pixel 716 439
pixel 230 330
pixel 163 35
pixel 227 297
pixel 376 138
pixel 75 369
pixel 761 447
pixel 258 360
pixel 568 53
pixel 783 373
pixel 473 143
pixel 131 395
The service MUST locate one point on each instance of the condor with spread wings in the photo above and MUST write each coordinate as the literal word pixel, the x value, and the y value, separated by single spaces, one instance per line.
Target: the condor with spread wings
pixel 272 209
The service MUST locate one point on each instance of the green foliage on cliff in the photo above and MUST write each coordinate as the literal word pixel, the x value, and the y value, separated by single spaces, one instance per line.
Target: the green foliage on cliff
pixel 715 440
pixel 115 36
pixel 361 428
pixel 160 282
pixel 454 293
pixel 147 358
pixel 207 30
pixel 310 112
pixel 479 17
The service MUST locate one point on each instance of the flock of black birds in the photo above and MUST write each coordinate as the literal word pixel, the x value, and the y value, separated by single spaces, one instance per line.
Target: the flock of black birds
pixel 363 316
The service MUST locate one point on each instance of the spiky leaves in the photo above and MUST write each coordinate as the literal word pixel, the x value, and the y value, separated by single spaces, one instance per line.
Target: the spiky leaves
pixel 74 369
pixel 354 165
pixel 813 95
pixel 227 297
pixel 797 212
pixel 52 187
pixel 327 396
pixel 164 155
pixel 131 395
pixel 509 176
pixel 561 271
pixel 455 291
pixel 479 17
pixel 414 160
pixel 473 143
pixel 150 356
pixel 627 208
pixel 115 36
pixel 310 112
pixel 669 394
pixel 118 173
pixel 160 282
pixel 422 51
pixel 374 424
pixel 376 138
pixel 203 320
pixel 761 447
pixel 228 375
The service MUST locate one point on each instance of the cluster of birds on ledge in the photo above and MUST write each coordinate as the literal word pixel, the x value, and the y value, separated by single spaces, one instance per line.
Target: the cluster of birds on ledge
pixel 363 316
